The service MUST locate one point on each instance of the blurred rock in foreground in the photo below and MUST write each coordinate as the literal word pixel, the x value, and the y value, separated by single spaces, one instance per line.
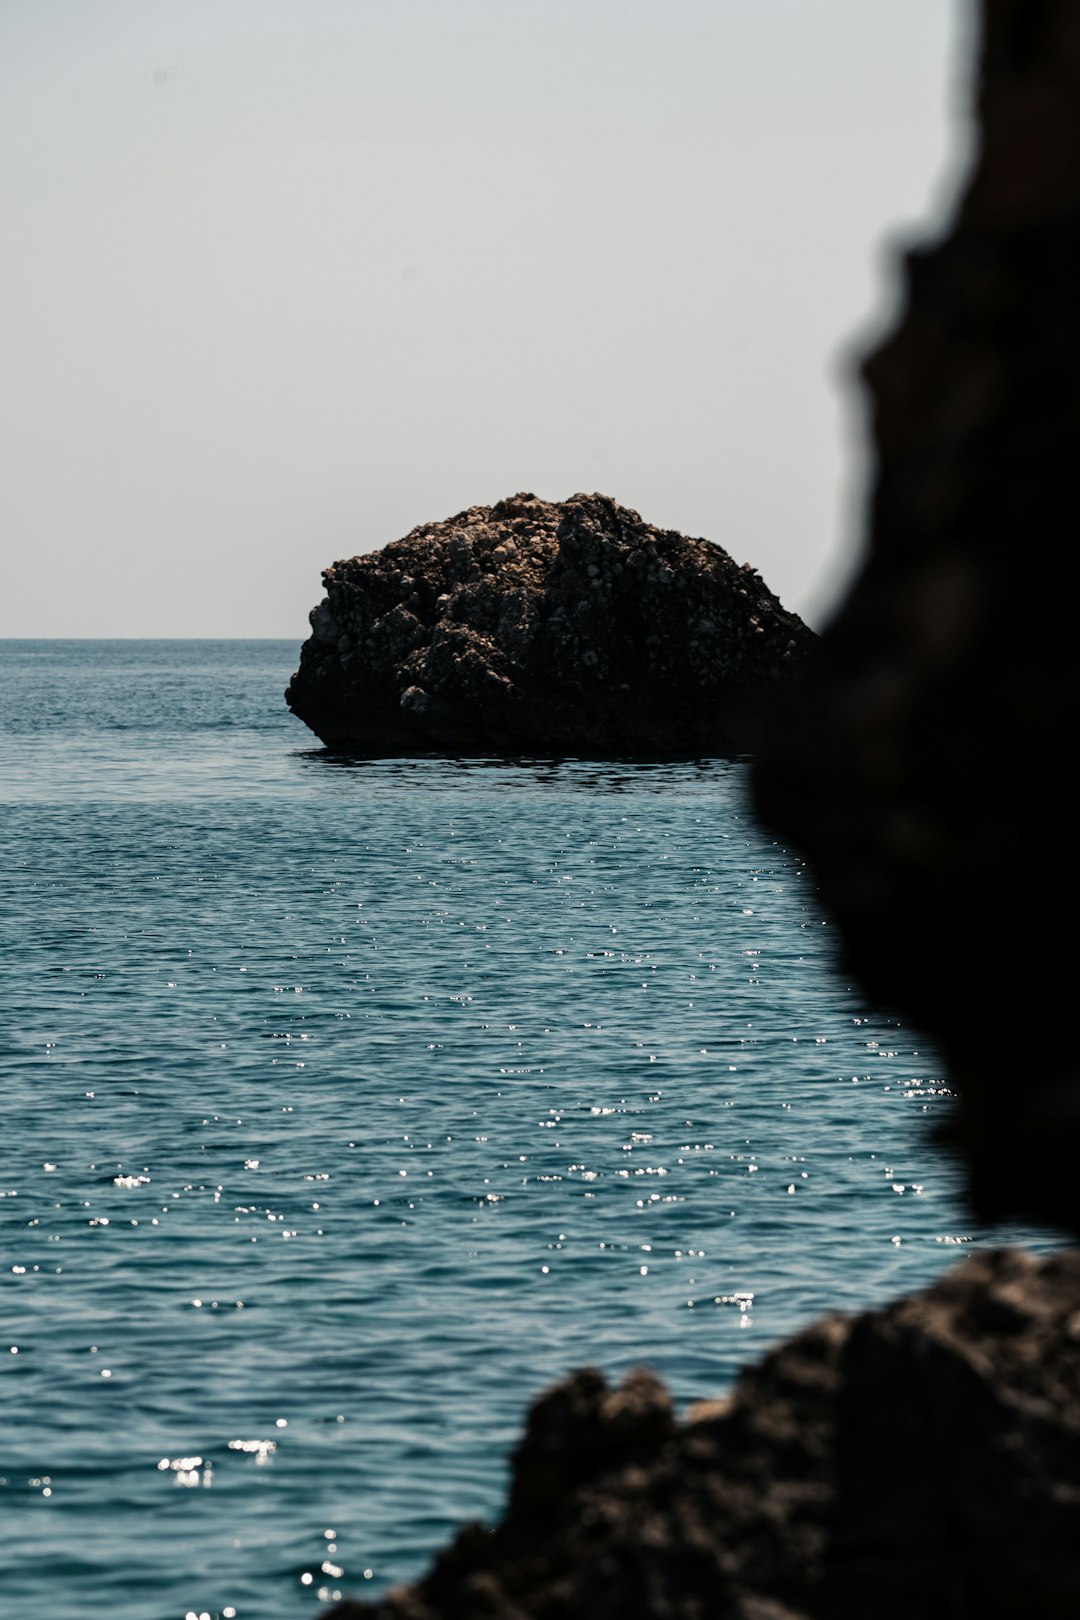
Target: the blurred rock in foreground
pixel 922 1460
pixel 544 626
pixel 929 768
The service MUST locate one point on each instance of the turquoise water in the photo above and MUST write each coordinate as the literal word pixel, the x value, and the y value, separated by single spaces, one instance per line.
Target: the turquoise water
pixel 348 1103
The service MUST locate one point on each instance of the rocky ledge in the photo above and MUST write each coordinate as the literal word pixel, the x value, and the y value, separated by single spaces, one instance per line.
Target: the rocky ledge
pixel 568 627
pixel 918 1460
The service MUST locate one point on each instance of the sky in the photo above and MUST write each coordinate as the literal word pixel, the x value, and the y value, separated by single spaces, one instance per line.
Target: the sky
pixel 284 278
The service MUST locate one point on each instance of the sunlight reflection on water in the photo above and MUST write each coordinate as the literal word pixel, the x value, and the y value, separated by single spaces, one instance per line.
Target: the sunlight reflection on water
pixel 350 1102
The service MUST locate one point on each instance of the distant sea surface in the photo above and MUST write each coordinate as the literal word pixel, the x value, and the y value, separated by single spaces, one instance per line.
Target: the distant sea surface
pixel 348 1103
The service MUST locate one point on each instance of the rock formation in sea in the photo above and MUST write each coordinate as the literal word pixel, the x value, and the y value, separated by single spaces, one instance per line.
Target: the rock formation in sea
pixel 928 767
pixel 921 1460
pixel 568 626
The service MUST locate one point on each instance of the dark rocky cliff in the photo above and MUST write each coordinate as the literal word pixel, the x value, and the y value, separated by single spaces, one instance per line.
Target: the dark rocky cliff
pixel 928 768
pixel 546 626
pixel 925 1459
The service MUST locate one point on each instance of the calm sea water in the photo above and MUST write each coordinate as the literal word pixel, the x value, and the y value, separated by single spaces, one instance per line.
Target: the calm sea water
pixel 348 1103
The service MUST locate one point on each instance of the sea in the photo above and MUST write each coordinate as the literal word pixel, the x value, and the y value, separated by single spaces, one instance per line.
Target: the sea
pixel 348 1103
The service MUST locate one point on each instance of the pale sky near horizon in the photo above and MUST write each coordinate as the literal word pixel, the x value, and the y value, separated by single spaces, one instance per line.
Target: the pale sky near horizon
pixel 284 278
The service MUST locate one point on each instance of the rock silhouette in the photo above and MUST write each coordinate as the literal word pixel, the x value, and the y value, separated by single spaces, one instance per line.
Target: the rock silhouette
pixel 919 1460
pixel 927 768
pixel 543 626
pixel 923 1459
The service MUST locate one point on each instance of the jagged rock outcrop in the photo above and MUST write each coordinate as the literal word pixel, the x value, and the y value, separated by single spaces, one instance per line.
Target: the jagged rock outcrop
pixel 567 626
pixel 923 1459
pixel 919 1460
pixel 928 767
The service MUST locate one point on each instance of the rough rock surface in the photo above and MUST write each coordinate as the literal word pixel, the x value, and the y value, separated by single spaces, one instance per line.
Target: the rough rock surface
pixel 535 625
pixel 921 1460
pixel 928 767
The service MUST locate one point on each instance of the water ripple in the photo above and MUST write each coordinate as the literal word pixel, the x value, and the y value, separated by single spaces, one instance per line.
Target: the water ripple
pixel 348 1102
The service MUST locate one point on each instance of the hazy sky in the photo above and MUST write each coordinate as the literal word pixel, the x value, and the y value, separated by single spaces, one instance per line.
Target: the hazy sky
pixel 284 278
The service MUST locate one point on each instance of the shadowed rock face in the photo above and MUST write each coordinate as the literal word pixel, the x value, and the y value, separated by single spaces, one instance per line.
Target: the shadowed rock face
pixel 922 1460
pixel 927 769
pixel 543 626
